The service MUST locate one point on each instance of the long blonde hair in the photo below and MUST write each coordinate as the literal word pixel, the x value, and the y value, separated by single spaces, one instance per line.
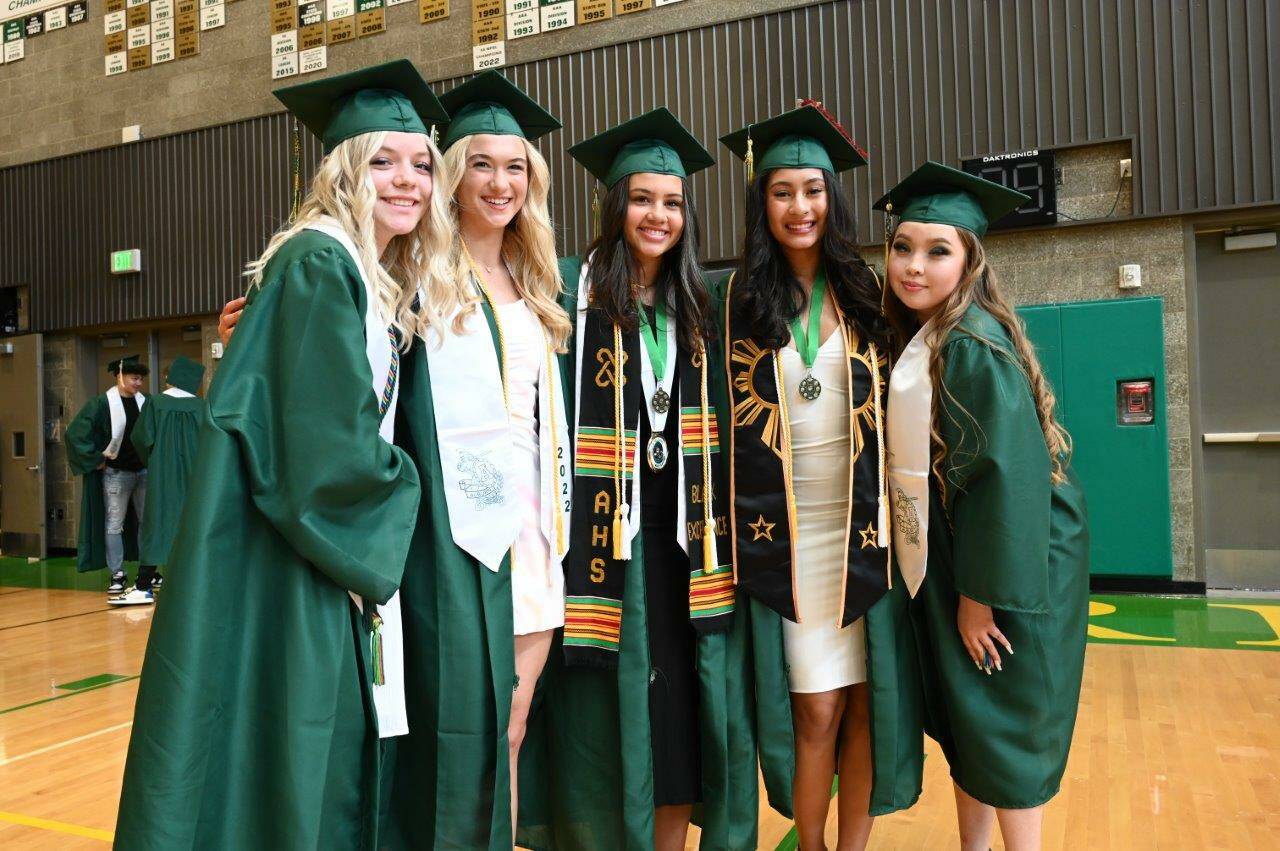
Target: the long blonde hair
pixel 343 190
pixel 978 285
pixel 529 245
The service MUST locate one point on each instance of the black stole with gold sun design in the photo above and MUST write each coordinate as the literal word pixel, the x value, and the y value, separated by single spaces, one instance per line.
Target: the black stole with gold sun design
pixel 763 509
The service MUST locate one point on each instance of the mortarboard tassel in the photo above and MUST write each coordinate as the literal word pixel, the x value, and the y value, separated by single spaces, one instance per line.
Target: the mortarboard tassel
pixel 296 168
pixel 750 159
pixel 595 213
pixel 888 235
pixel 375 645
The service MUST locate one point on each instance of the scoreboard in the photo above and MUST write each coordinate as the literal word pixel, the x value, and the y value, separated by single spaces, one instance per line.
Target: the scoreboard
pixel 1029 172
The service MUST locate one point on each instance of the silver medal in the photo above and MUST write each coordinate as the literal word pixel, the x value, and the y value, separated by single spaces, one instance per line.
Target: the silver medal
pixel 656 452
pixel 810 388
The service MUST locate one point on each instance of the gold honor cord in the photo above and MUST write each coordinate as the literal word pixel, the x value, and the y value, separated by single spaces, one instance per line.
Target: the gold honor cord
pixel 882 493
pixel 709 522
pixel 621 437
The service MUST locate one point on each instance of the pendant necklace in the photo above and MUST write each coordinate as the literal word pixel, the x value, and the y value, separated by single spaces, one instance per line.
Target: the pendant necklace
pixel 807 341
pixel 654 336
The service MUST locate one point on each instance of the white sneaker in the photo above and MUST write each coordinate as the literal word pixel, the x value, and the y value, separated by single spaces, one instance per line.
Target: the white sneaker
pixel 119 581
pixel 133 597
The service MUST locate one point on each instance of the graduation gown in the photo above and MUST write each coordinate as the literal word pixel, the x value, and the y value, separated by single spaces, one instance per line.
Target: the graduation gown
pixel 586 767
pixel 165 439
pixel 1003 535
pixel 87 435
pixel 895 701
pixel 451 786
pixel 254 725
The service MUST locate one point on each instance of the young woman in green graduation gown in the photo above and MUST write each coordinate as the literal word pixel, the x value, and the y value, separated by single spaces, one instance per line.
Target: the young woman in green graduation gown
pixel 483 415
pixel 984 498
pixel 267 682
pixel 644 718
pixel 837 686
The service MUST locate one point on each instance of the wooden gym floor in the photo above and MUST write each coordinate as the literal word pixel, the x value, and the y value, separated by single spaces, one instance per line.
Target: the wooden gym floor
pixel 1177 744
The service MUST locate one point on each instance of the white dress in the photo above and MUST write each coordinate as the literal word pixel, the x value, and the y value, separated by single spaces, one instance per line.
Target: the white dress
pixel 821 657
pixel 537 582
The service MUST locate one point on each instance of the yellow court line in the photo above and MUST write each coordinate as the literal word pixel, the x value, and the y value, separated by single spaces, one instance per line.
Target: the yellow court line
pixel 58 826
pixel 54 747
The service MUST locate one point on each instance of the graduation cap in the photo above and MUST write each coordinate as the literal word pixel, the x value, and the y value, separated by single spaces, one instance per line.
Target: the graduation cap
pixel 938 194
pixel 653 143
pixel 185 374
pixel 806 137
pixel 490 103
pixel 129 364
pixel 392 96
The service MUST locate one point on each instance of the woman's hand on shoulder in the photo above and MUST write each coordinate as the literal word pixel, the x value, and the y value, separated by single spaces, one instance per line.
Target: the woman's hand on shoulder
pixel 229 317
pixel 980 635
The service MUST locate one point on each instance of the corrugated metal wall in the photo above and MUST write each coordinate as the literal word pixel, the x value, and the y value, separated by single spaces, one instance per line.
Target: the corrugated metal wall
pixel 1194 84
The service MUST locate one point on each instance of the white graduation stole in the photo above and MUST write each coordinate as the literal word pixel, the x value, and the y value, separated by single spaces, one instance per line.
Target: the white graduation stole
pixel 908 418
pixel 554 456
pixel 388 698
pixel 115 407
pixel 179 393
pixel 473 430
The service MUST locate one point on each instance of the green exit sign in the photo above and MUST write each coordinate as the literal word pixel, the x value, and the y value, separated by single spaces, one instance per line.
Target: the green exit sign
pixel 126 262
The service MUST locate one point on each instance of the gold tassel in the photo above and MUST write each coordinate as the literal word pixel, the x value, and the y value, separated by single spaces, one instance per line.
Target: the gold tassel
pixel 888 236
pixel 750 159
pixel 709 555
pixel 295 186
pixel 435 136
pixel 595 213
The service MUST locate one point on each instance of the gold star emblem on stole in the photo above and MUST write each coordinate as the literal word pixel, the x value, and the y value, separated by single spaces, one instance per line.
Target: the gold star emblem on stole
pixel 763 529
pixel 868 536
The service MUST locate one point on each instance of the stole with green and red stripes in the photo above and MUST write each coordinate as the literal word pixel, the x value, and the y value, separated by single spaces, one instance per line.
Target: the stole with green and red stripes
pixel 605 464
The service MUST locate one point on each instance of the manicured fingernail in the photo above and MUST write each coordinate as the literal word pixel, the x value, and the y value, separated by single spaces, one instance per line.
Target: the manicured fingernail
pixel 977 664
pixel 998 668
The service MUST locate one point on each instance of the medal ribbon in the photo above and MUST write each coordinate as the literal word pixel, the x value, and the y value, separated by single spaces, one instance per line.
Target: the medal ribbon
pixel 807 343
pixel 655 342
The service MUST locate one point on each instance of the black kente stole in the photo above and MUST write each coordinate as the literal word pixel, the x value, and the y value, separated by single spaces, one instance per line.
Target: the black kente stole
pixel 600 537
pixel 763 508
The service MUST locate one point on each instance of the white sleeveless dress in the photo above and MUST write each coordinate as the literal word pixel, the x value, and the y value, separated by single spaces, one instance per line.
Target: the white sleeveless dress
pixel 821 657
pixel 537 584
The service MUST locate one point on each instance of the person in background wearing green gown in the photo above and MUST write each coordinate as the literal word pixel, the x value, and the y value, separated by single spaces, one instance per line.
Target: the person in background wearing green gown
pixel 989 521
pixel 114 490
pixel 272 667
pixel 645 714
pixel 485 418
pixel 837 682
pixel 165 439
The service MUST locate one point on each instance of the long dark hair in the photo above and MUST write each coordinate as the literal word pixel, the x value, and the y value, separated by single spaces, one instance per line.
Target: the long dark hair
pixel 679 281
pixel 768 296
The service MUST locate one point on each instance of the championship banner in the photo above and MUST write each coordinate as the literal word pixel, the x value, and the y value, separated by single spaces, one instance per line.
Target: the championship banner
pixel 21 20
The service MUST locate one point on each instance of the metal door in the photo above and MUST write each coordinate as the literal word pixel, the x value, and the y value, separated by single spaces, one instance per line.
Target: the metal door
pixel 1238 395
pixel 22 508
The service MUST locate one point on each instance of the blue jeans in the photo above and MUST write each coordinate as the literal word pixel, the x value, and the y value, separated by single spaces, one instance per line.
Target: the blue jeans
pixel 119 488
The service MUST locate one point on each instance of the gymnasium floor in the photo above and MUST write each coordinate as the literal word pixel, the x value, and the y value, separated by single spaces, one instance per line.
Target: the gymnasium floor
pixel 1177 744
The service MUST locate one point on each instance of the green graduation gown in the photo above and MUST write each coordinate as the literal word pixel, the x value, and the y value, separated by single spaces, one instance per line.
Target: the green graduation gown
pixel 1003 535
pixel 165 439
pixel 586 768
pixel 451 786
pixel 896 705
pixel 87 435
pixel 254 725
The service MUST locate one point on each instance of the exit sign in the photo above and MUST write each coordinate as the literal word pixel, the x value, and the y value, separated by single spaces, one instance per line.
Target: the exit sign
pixel 126 262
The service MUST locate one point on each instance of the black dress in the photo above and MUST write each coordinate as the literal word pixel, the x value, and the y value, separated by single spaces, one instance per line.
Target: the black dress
pixel 673 675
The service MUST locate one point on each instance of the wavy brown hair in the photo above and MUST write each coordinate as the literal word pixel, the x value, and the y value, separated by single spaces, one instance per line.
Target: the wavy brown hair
pixel 978 285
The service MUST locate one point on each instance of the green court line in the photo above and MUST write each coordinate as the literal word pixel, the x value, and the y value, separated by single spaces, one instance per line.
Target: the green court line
pixel 1215 623
pixel 45 700
pixel 90 682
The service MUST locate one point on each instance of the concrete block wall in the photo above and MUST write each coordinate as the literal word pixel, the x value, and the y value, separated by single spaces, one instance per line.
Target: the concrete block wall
pixel 62 399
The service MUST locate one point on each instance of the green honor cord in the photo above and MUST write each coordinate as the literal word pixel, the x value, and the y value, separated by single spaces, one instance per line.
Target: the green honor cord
pixel 654 342
pixel 807 343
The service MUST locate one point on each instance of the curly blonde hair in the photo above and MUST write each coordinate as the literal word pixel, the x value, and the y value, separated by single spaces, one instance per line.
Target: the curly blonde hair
pixel 529 245
pixel 343 190
pixel 978 285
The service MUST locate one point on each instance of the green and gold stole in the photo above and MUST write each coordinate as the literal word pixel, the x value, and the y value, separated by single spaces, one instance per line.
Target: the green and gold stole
pixel 763 509
pixel 606 505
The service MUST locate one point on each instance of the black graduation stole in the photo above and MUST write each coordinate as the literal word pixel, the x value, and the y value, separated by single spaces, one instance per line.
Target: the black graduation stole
pixel 604 463
pixel 763 511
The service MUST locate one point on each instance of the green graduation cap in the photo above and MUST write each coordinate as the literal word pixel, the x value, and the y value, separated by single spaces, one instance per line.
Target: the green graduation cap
pixel 653 143
pixel 807 137
pixel 490 103
pixel 129 364
pixel 185 374
pixel 938 194
pixel 391 96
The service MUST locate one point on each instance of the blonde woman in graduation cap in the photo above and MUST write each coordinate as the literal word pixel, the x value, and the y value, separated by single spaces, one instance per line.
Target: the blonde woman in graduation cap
pixel 646 711
pixel 989 521
pixel 837 689
pixel 274 663
pixel 485 418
